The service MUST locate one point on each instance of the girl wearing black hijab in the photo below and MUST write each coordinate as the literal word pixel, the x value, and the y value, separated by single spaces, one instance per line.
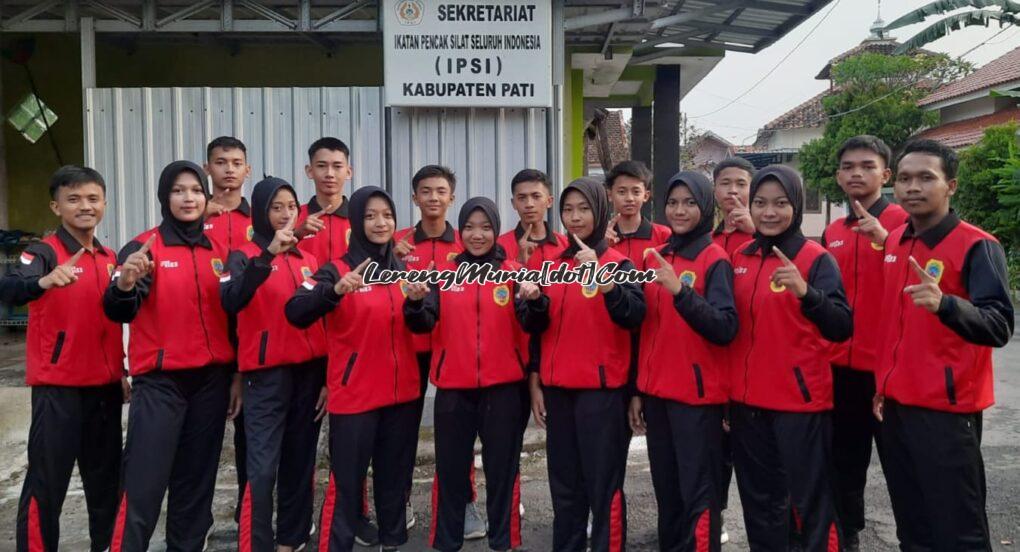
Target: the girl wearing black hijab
pixel 284 371
pixel 790 297
pixel 372 375
pixel 167 289
pixel 582 380
pixel 681 371
pixel 479 360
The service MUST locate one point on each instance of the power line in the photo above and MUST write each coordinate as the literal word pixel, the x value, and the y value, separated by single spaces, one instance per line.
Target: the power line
pixel 774 67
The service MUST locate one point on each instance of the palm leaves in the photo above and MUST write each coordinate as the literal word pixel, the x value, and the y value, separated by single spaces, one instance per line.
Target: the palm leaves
pixel 1007 14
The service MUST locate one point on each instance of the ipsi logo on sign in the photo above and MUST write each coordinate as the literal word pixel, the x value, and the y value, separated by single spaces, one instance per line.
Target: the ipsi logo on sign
pixel 409 12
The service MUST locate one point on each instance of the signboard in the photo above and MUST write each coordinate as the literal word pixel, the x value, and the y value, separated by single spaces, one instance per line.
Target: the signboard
pixel 468 53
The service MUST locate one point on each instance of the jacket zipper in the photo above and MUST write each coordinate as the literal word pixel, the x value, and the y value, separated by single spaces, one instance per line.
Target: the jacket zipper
pixel 304 333
pixel 747 357
pixel 102 327
pixel 899 338
pixel 556 344
pixel 857 292
pixel 393 343
pixel 658 324
pixel 478 332
pixel 201 314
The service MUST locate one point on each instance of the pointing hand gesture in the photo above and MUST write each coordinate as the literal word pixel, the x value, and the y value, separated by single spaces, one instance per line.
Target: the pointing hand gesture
pixel 612 238
pixel 926 294
pixel 666 276
pixel 403 247
pixel 284 238
pixel 868 225
pixel 416 291
pixel 63 274
pixel 352 281
pixel 789 276
pixel 740 217
pixel 136 266
pixel 525 246
pixel 313 223
pixel 528 291
pixel 584 254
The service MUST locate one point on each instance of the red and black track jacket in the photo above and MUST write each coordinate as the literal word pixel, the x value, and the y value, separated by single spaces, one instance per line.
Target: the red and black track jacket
pixel 478 331
pixel 330 243
pixel 232 228
pixel 780 358
pixel 588 342
pixel 682 338
pixel 256 287
pixel 176 320
pixel 648 235
pixel 441 250
pixel 860 262
pixel 548 249
pixel 943 361
pixel 70 342
pixel 730 241
pixel 371 357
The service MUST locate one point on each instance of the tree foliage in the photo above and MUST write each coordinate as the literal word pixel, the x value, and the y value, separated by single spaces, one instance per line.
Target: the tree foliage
pixel 874 94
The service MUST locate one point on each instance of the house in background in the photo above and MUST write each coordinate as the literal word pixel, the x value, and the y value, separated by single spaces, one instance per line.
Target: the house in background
pixel 966 106
pixel 618 141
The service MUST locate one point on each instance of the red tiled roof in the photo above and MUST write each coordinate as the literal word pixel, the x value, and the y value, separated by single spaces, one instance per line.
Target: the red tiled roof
pixel 968 132
pixel 882 46
pixel 808 114
pixel 998 71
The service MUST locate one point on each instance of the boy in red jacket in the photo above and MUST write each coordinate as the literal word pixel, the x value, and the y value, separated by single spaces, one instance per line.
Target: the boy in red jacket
pixel 732 181
pixel 629 184
pixel 322 223
pixel 946 304
pixel 857 243
pixel 74 365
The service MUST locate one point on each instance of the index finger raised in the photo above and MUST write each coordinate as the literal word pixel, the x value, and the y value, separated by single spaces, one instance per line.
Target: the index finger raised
pixel 921 272
pixel 360 269
pixel 782 256
pixel 148 243
pixel 581 244
pixel 662 261
pixel 74 258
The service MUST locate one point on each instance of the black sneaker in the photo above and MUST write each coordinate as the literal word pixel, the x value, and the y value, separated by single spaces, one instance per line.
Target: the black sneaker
pixel 851 542
pixel 366 533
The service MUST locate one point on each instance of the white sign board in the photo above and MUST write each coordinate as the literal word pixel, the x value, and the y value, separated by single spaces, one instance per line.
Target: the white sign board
pixel 468 53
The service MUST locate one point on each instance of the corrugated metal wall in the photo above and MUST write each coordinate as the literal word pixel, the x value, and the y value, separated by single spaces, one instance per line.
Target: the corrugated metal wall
pixel 132 133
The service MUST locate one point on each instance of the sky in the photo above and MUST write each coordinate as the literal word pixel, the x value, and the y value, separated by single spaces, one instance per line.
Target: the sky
pixel 794 81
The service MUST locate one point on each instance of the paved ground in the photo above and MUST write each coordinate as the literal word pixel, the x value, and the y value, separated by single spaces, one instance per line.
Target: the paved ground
pixel 1001 450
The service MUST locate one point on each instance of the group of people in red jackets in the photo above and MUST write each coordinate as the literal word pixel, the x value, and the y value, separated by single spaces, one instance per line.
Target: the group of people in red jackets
pixel 756 351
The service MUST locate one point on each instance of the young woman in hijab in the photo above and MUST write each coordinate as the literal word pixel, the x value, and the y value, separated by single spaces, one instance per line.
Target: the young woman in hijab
pixel 284 371
pixel 372 375
pixel 681 368
pixel 167 289
pixel 791 301
pixel 579 394
pixel 478 382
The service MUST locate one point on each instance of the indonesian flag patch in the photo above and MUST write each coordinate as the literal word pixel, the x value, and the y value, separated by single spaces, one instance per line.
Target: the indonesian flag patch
pixel 27 258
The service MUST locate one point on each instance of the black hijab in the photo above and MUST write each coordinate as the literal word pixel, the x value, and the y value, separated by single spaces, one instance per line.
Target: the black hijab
pixel 190 233
pixel 360 247
pixel 594 190
pixel 261 200
pixel 789 179
pixel 701 189
pixel 494 255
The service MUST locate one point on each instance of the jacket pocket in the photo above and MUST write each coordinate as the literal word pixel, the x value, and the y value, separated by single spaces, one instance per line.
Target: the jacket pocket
pixel 602 376
pixel 950 385
pixel 159 359
pixel 262 347
pixel 350 366
pixel 439 365
pixel 58 347
pixel 804 392
pixel 699 382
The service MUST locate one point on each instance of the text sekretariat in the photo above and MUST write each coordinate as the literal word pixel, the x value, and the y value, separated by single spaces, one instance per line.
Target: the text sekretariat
pixel 587 275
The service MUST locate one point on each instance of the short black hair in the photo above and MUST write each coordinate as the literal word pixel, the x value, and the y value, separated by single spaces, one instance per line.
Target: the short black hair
pixel 331 144
pixel 633 169
pixel 950 162
pixel 733 163
pixel 227 143
pixel 433 171
pixel 72 176
pixel 866 142
pixel 530 175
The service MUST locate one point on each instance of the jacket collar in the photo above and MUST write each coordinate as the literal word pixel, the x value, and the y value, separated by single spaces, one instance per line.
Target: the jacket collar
pixel 71 244
pixel 171 238
pixel 643 232
pixel 790 245
pixel 314 207
pixel 244 208
pixel 934 235
pixel 875 210
pixel 693 248
pixel 550 238
pixel 448 235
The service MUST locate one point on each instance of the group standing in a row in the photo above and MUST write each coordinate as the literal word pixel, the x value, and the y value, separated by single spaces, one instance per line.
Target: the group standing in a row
pixel 755 351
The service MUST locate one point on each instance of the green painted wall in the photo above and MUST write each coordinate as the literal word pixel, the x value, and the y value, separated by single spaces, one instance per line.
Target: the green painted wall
pixel 203 61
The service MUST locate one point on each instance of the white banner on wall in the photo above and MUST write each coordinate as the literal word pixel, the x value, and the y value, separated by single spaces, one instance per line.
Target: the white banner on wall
pixel 468 53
